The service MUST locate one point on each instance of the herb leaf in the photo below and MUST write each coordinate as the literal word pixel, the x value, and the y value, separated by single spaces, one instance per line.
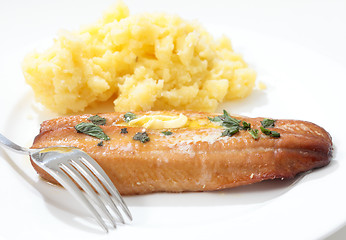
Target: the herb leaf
pixel 167 133
pixel 129 116
pixel 97 120
pixel 254 133
pixel 91 130
pixel 265 131
pixel 100 144
pixel 268 123
pixel 226 120
pixel 142 137
pixel 123 130
pixel 215 119
pixel 269 132
pixel 230 131
pixel 275 134
pixel 232 125
pixel 246 126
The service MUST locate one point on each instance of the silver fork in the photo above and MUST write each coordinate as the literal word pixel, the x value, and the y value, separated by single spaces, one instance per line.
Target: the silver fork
pixel 69 165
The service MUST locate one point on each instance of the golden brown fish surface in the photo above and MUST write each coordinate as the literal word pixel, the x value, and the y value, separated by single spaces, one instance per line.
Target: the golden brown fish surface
pixel 195 158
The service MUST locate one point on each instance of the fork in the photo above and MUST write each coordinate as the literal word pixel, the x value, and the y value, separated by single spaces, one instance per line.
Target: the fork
pixel 69 165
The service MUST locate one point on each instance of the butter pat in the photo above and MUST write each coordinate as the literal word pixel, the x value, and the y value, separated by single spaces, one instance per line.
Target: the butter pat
pixel 160 121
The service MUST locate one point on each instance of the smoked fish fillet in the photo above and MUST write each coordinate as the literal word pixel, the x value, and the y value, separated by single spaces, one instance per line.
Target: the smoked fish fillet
pixel 195 158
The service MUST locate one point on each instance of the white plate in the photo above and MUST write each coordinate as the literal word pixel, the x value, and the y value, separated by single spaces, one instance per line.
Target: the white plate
pixel 300 85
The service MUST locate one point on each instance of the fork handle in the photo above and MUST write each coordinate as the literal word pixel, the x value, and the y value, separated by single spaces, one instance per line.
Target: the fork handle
pixel 11 145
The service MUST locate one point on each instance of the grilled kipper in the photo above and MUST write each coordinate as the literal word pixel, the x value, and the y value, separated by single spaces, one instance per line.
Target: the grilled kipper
pixel 187 151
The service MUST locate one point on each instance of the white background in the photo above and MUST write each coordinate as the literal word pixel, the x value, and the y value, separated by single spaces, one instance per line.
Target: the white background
pixel 318 26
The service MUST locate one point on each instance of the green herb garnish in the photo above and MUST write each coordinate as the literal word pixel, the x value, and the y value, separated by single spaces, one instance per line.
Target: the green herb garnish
pixel 129 116
pixel 265 131
pixel 269 132
pixel 215 119
pixel 124 131
pixel 275 134
pixel 254 133
pixel 229 132
pixel 246 125
pixel 100 144
pixel 232 125
pixel 91 130
pixel 167 133
pixel 142 137
pixel 226 120
pixel 97 120
pixel 268 123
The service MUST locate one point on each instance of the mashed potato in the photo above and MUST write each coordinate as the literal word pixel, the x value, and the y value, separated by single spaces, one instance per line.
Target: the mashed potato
pixel 142 62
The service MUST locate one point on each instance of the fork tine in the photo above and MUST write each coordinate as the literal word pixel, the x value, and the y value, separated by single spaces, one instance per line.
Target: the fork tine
pixel 70 186
pixel 96 184
pixel 75 175
pixel 98 171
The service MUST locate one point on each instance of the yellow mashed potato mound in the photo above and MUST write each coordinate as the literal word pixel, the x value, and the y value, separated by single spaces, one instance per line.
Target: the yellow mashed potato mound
pixel 142 62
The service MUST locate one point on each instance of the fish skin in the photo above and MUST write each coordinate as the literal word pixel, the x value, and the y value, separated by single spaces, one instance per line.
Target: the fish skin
pixel 192 159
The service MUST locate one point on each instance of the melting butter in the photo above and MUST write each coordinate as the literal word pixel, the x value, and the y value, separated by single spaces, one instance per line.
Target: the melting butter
pixel 160 121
